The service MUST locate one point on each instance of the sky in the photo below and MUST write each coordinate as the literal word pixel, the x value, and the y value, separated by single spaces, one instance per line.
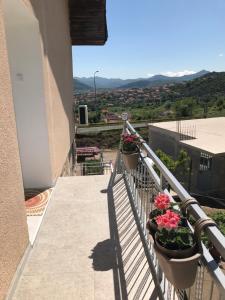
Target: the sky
pixel 147 37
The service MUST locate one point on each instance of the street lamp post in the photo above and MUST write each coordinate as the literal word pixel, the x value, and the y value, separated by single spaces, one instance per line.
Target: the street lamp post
pixel 95 90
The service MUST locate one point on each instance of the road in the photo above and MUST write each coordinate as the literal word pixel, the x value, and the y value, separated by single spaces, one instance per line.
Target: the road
pixel 97 129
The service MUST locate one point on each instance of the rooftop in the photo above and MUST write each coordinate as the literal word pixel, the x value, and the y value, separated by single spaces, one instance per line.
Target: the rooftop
pixel 88 23
pixel 209 133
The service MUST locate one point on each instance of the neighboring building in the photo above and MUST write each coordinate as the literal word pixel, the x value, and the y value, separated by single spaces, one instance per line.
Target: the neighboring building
pixel 204 141
pixel 111 118
pixel 36 107
pixel 83 114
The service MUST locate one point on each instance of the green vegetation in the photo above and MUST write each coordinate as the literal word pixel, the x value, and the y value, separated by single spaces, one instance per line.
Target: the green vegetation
pixel 198 98
pixel 179 167
pixel 219 218
pixel 167 160
pixel 77 85
pixel 103 140
pixel 93 167
pixel 94 117
pixel 106 139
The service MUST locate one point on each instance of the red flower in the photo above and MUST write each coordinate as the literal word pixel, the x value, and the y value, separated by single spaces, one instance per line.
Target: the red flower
pixel 162 221
pixel 129 138
pixel 169 220
pixel 162 201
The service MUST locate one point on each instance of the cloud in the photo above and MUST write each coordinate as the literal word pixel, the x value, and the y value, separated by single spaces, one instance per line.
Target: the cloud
pixel 173 74
pixel 178 73
pixel 221 55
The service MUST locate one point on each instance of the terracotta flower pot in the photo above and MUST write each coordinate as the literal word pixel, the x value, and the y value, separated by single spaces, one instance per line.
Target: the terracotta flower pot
pixel 130 160
pixel 176 253
pixel 152 228
pixel 181 272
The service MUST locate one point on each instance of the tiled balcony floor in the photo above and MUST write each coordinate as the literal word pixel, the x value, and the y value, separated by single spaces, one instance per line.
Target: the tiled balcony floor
pixel 88 246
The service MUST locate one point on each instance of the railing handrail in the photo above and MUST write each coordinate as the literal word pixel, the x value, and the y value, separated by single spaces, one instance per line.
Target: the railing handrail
pixel 105 163
pixel 92 165
pixel 214 234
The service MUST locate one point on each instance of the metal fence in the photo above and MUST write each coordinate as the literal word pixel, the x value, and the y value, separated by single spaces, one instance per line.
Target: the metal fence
pixel 144 184
pixel 94 168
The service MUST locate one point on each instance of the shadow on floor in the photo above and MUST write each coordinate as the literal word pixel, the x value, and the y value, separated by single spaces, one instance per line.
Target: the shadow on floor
pixel 103 256
pixel 124 252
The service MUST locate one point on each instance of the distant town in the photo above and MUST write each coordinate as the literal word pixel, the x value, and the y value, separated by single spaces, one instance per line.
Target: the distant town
pixel 199 98
pixel 126 96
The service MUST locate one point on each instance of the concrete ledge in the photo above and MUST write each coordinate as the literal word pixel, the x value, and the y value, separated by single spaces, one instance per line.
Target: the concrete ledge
pixel 18 273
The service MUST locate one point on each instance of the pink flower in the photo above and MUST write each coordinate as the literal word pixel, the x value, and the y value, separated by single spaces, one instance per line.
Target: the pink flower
pixel 129 138
pixel 162 221
pixel 172 215
pixel 162 201
pixel 169 220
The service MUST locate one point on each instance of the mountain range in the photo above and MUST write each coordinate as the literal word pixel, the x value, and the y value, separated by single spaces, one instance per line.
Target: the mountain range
pixel 84 83
pixel 208 87
pixel 80 86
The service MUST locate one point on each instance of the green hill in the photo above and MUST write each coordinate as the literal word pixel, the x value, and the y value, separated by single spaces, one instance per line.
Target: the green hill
pixel 201 97
pixel 160 80
pixel 210 85
pixel 79 86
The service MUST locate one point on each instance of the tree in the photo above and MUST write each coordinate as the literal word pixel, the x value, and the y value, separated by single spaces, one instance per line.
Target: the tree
pixel 179 167
pixel 183 162
pixel 167 160
pixel 167 105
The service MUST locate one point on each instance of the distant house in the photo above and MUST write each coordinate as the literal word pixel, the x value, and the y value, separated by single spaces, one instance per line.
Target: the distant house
pixel 104 111
pixel 111 118
pixel 204 141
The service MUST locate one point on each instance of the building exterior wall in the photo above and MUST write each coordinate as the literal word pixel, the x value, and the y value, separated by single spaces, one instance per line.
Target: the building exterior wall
pixel 209 182
pixel 163 139
pixel 13 226
pixel 26 70
pixel 53 22
pixel 218 176
pixel 56 52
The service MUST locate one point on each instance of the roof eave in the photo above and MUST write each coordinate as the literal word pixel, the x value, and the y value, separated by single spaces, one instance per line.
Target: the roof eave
pixel 88 24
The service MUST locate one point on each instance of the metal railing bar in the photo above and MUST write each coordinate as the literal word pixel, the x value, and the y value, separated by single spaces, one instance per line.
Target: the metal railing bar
pixel 134 180
pixel 145 244
pixel 214 234
pixel 216 273
pixel 148 162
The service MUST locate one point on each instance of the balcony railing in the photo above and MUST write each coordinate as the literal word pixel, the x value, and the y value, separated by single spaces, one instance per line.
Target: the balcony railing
pixel 143 184
pixel 94 168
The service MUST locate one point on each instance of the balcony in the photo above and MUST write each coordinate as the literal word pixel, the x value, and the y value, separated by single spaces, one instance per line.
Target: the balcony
pixel 93 242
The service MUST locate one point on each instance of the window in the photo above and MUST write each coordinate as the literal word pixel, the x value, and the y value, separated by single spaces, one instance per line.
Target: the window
pixel 205 162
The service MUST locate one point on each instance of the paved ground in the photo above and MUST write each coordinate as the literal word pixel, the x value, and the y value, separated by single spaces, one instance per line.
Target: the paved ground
pixel 88 246
pixel 110 155
pixel 60 264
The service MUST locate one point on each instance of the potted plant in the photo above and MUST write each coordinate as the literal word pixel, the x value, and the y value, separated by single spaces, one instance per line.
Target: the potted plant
pixel 176 249
pixel 162 203
pixel 173 240
pixel 130 150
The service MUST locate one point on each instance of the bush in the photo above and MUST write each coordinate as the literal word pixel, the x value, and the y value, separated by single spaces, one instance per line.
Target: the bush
pixel 93 167
pixel 219 218
pixel 167 160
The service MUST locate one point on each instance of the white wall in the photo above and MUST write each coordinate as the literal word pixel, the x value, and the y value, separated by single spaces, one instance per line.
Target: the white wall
pixel 23 41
